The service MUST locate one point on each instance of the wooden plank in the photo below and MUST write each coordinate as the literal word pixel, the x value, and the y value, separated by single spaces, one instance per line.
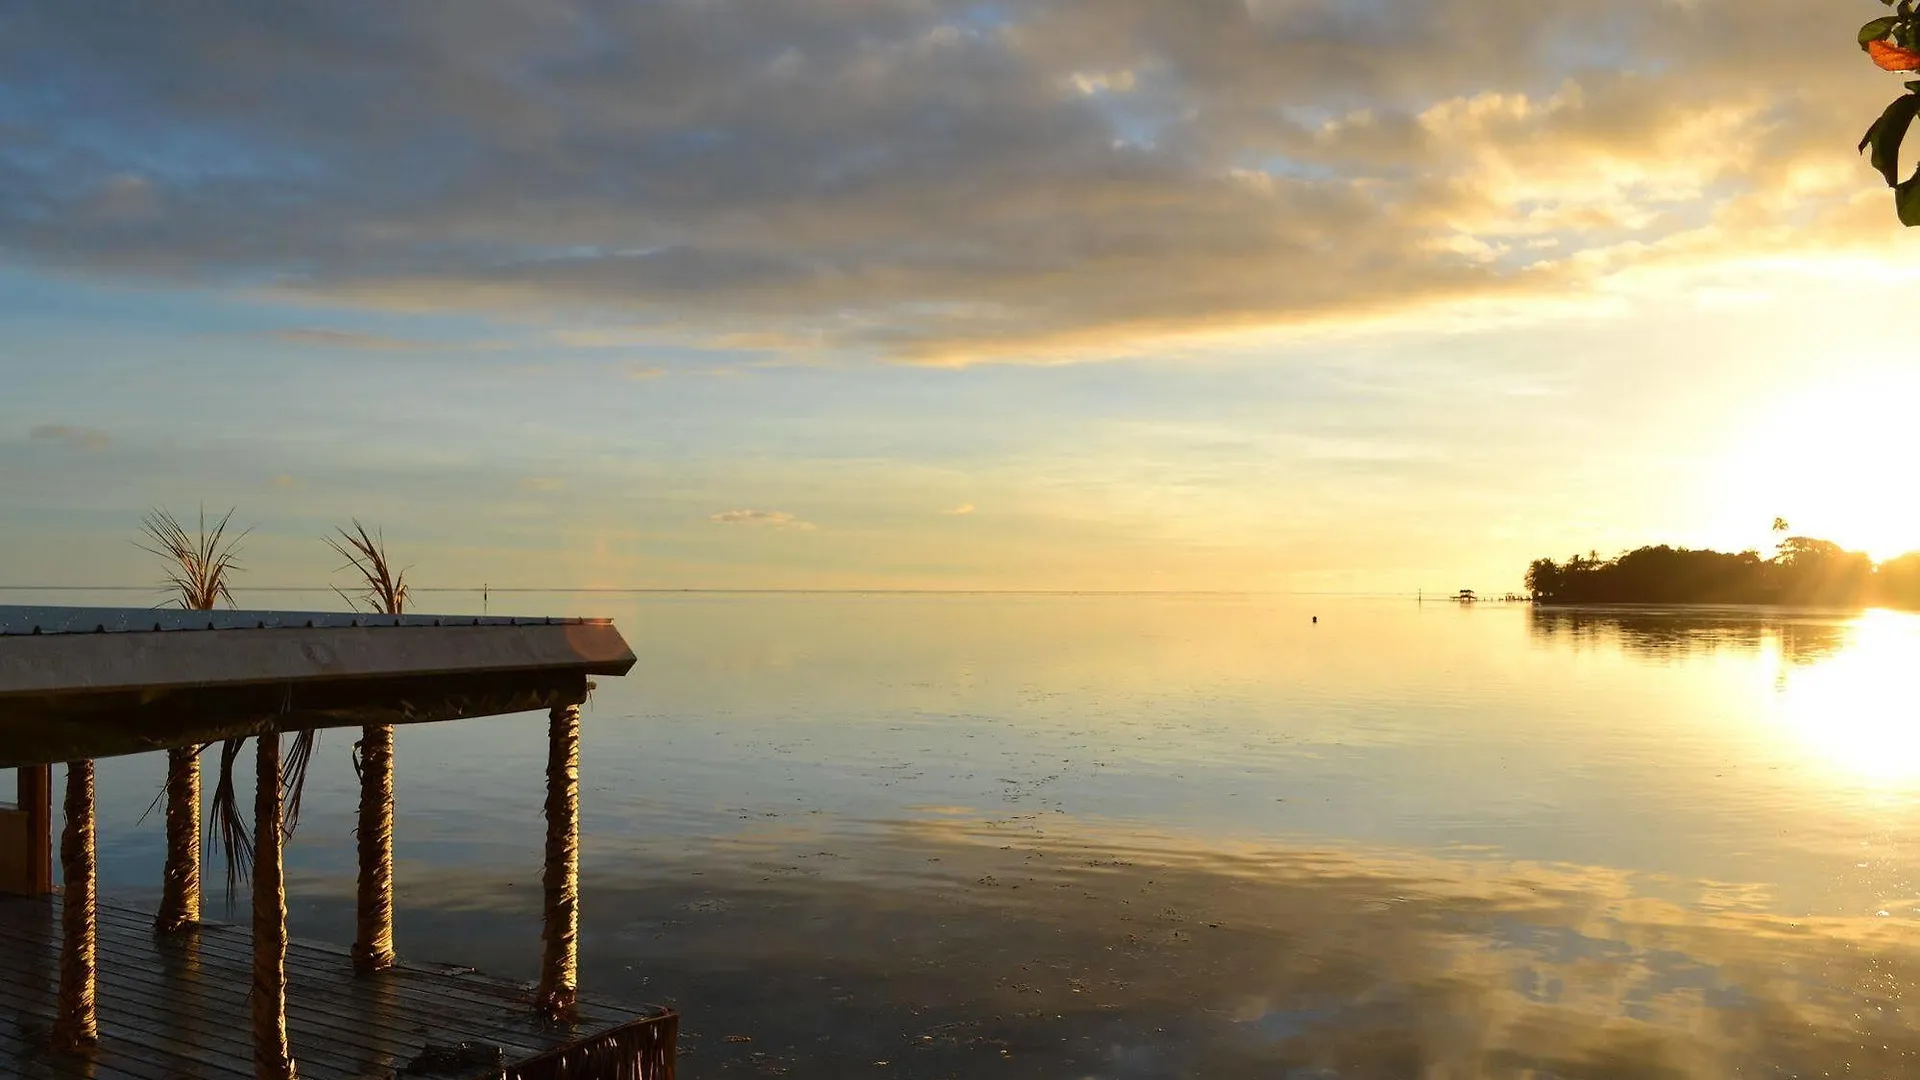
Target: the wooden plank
pixel 327 977
pixel 132 1049
pixel 320 964
pixel 134 1020
pixel 398 1029
pixel 382 1012
pixel 166 1005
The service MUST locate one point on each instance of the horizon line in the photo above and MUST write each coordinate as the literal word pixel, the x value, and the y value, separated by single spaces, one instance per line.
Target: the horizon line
pixel 669 590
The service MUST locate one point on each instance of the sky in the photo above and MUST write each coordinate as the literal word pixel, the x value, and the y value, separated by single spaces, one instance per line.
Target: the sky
pixel 1321 295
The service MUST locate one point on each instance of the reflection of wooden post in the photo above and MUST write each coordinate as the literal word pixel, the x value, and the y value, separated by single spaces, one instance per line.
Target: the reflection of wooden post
pixel 75 1026
pixel 272 1057
pixel 180 881
pixel 559 964
pixel 373 940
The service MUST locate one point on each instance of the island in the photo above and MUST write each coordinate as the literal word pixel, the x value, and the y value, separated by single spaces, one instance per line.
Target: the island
pixel 1803 572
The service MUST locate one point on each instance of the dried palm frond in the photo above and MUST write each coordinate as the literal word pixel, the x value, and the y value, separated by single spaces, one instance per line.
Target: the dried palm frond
pixel 293 776
pixel 229 824
pixel 198 566
pixel 382 588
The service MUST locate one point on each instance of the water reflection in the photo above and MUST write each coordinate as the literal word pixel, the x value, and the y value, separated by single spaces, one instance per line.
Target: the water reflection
pixel 1050 948
pixel 1163 836
pixel 1799 637
pixel 1860 708
pixel 1845 689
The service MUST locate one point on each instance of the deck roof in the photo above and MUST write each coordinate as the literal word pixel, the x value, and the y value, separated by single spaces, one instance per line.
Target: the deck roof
pixel 96 682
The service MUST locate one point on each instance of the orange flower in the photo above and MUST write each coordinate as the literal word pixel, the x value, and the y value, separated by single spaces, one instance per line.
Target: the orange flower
pixel 1892 57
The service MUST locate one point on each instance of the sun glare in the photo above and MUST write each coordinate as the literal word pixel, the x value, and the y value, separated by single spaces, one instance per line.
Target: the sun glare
pixel 1860 710
pixel 1833 462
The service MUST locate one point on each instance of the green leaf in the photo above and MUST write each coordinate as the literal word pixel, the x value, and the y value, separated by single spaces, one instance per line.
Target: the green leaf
pixel 1906 200
pixel 1877 29
pixel 1886 134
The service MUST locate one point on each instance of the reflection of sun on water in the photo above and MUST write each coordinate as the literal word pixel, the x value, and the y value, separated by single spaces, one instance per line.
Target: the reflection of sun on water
pixel 1860 710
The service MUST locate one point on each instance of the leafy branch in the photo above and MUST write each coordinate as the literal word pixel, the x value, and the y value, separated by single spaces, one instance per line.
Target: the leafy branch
pixel 1893 43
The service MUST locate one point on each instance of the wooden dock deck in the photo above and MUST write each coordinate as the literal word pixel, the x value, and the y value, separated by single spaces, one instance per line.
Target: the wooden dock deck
pixel 175 1008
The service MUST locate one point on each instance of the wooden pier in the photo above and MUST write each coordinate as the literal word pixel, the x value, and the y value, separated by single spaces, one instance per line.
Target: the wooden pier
pixel 173 1007
pixel 100 991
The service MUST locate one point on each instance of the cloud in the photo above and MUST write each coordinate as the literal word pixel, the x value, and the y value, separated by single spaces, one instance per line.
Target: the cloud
pixel 772 519
pixel 904 178
pixel 958 511
pixel 78 437
pixel 286 481
pixel 536 484
pixel 642 372
pixel 345 339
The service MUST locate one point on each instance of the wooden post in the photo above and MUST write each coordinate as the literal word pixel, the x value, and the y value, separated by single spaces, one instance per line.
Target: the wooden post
pixel 272 1057
pixel 26 834
pixel 35 796
pixel 373 941
pixel 180 880
pixel 75 1026
pixel 559 963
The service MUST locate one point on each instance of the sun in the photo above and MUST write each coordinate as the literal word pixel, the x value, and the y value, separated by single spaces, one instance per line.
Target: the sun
pixel 1835 462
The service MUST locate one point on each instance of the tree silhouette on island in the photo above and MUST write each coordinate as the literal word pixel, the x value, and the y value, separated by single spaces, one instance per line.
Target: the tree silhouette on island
pixel 1804 571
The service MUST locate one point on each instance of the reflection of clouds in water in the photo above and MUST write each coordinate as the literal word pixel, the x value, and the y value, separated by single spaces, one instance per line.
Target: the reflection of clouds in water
pixel 940 943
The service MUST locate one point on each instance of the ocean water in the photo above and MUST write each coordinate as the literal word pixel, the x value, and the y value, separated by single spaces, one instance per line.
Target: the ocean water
pixel 1183 836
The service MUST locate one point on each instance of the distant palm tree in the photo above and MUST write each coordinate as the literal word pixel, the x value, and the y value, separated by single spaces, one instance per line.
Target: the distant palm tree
pixel 383 589
pixel 198 568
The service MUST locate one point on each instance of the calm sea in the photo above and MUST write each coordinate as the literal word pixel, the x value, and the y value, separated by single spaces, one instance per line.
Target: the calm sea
pixel 1199 836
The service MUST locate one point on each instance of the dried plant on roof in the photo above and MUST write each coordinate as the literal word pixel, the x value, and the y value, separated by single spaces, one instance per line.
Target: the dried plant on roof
pixel 198 566
pixel 382 588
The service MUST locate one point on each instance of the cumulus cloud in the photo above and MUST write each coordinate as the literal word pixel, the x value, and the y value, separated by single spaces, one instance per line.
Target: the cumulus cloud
pixel 79 437
pixel 772 519
pixel 931 179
